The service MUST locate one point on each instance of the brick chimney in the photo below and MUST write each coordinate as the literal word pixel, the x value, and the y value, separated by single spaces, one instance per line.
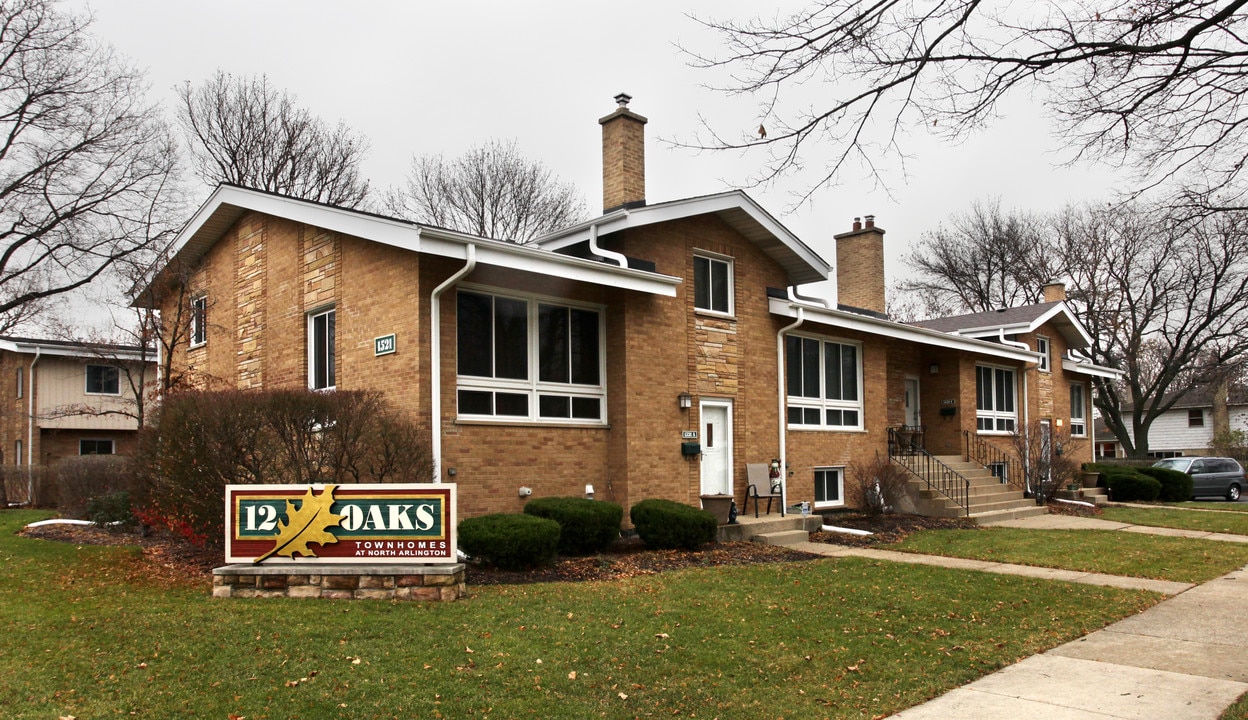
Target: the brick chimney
pixel 623 157
pixel 1055 291
pixel 860 266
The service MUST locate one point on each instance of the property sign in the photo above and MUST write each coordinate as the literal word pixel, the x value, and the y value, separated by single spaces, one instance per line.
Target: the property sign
pixel 360 524
pixel 384 345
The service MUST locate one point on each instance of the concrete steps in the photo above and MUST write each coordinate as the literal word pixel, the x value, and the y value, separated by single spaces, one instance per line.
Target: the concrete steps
pixel 987 496
pixel 773 529
pixel 784 537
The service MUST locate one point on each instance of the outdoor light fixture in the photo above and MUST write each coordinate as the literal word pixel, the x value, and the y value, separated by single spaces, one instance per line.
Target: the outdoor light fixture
pixel 589 492
pixel 686 400
pixel 934 368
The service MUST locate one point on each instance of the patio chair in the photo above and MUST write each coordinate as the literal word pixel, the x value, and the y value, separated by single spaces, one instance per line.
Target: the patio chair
pixel 760 487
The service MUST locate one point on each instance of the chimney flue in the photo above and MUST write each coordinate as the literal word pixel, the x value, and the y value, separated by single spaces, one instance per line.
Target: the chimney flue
pixel 870 221
pixel 857 224
pixel 623 157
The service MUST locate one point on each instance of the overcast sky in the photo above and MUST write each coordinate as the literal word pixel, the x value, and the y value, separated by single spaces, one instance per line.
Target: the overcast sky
pixel 419 77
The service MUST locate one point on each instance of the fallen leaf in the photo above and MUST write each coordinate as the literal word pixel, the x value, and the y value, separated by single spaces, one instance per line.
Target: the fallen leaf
pixel 142 666
pixel 469 650
pixel 235 716
pixel 292 683
pixel 623 696
pixel 662 636
pixel 572 675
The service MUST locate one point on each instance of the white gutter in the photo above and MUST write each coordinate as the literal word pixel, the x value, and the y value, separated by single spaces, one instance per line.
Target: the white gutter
pixel 30 430
pixel 435 361
pixel 601 252
pixel 780 392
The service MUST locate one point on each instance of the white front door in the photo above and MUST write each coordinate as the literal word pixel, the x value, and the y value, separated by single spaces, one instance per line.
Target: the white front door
pixel 716 447
pixel 912 402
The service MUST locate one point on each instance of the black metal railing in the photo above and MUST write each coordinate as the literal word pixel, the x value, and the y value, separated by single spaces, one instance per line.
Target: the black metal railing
pixel 1001 463
pixel 907 439
pixel 938 476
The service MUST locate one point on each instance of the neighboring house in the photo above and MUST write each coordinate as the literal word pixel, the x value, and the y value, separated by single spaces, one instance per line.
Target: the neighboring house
pixel 66 398
pixel 591 356
pixel 1189 426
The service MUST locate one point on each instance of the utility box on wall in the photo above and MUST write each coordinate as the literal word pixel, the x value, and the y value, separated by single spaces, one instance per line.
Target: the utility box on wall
pixel 689 449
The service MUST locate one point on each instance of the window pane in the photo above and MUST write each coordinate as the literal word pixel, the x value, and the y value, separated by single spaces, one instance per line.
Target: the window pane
pixel 793 365
pixel 701 283
pixel 512 404
pixel 795 416
pixel 554 406
pixel 983 384
pixel 475 346
pixel 330 379
pixel 719 286
pixel 475 402
pixel 821 480
pixel 832 371
pixel 586 408
pixel 585 355
pixel 834 418
pixel 851 418
pixel 849 372
pixel 811 416
pixel 511 338
pixel 810 368
pixel 552 343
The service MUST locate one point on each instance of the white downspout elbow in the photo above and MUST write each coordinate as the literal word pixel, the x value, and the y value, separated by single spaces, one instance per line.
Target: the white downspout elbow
pixel 781 395
pixel 604 253
pixel 435 360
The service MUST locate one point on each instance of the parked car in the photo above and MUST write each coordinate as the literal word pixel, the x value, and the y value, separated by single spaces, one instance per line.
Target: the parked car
pixel 1210 475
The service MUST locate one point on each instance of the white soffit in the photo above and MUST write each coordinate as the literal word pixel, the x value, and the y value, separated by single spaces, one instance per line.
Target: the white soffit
pixel 889 329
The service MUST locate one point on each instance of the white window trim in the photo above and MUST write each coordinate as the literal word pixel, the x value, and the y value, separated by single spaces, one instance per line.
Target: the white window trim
pixel 311 316
pixel 821 402
pixel 995 415
pixel 732 284
pixel 198 319
pixel 1045 359
pixel 840 471
pixel 533 387
pixel 86 380
pixel 1082 420
pixel 112 443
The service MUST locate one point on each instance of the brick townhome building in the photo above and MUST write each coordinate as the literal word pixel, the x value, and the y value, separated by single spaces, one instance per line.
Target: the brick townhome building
pixel 581 358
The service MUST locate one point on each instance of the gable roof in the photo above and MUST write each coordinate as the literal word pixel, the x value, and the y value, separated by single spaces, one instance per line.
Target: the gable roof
pixel 228 203
pixel 734 207
pixel 1015 321
pixel 73 348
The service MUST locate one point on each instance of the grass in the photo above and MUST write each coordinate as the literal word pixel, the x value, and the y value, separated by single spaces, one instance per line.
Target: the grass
pixel 1101 551
pixel 1238 711
pixel 88 632
pixel 1239 507
pixel 1229 522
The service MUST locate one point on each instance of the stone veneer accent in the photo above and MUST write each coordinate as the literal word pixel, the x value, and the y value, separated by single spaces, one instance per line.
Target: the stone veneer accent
pixel 250 306
pixel 340 582
pixel 718 356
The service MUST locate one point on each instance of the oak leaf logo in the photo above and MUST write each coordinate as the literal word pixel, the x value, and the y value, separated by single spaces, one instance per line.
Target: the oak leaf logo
pixel 306 524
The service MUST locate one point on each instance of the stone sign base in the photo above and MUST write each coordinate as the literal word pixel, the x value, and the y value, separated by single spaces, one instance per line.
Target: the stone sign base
pixel 340 582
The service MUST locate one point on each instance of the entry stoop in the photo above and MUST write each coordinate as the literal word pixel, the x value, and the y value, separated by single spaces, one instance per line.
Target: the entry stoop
pixel 771 529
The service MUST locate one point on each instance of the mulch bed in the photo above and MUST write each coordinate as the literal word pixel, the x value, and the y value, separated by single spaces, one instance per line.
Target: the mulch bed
pixel 628 557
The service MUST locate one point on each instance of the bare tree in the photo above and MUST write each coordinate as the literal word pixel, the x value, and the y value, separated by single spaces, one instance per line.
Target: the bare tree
pixel 1045 459
pixel 983 260
pixel 242 130
pixel 1155 85
pixel 492 191
pixel 86 166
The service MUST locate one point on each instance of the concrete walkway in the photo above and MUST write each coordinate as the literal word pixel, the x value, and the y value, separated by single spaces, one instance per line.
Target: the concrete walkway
pixel 1185 658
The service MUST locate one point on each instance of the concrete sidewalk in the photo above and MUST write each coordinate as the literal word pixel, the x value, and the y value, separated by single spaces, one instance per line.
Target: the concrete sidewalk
pixel 1185 658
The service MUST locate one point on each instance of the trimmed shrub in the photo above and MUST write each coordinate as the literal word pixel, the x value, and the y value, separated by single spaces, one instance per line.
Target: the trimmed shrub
pixel 510 541
pixel 81 479
pixel 585 526
pixel 1129 486
pixel 1175 486
pixel 666 525
pixel 112 510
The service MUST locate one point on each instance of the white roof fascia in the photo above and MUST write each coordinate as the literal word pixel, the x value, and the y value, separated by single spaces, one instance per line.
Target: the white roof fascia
pixel 910 333
pixel 679 209
pixel 1085 368
pixel 435 241
pixel 1019 328
pixel 88 352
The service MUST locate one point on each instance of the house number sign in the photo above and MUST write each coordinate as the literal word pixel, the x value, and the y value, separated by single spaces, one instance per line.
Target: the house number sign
pixel 384 345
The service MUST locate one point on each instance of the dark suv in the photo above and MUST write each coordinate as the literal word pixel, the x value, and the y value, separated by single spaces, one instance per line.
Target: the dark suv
pixel 1210 475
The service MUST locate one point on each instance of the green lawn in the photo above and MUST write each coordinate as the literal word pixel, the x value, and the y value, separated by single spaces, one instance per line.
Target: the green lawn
pixel 1221 522
pixel 1102 551
pixel 86 632
pixel 1238 711
pixel 1240 507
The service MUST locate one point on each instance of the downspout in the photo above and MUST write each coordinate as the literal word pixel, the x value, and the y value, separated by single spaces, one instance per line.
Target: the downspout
pixel 435 360
pixel 603 252
pixel 781 394
pixel 30 429
pixel 795 295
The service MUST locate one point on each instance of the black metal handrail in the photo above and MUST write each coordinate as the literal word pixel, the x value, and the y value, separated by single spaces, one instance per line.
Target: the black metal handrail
pixel 1000 463
pixel 938 476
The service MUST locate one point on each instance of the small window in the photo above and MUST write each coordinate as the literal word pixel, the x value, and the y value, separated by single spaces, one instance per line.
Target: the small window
pixel 17 453
pixel 103 380
pixel 1042 347
pixel 21 383
pixel 1001 471
pixel 321 370
pixel 829 486
pixel 199 320
pixel 1078 424
pixel 1195 417
pixel 95 447
pixel 712 284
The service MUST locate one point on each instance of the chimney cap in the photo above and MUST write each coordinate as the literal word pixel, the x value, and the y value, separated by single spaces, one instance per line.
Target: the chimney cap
pixel 623 99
